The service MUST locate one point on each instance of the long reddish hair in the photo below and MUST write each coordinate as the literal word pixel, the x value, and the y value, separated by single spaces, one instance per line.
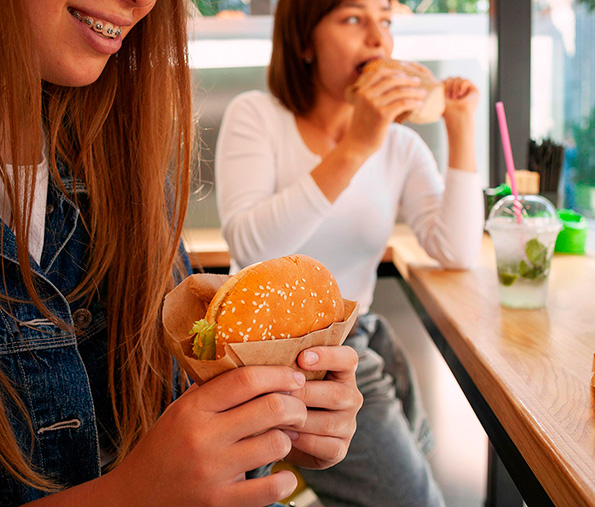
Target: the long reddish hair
pixel 128 136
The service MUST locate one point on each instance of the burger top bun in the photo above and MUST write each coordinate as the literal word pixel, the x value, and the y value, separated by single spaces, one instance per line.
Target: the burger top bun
pixel 286 297
pixel 434 103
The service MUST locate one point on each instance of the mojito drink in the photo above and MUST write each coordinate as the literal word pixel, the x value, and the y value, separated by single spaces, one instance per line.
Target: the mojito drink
pixel 524 250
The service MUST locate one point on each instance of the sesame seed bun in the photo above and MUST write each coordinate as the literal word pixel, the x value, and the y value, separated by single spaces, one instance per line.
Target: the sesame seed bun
pixel 287 297
pixel 434 103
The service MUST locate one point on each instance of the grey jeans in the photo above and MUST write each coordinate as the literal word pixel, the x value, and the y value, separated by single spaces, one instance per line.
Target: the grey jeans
pixel 386 464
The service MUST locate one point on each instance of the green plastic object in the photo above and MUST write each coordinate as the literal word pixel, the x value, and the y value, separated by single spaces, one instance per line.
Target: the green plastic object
pixel 573 236
pixel 493 195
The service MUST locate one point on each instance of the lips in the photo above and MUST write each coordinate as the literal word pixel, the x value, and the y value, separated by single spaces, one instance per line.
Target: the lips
pixel 100 26
pixel 360 67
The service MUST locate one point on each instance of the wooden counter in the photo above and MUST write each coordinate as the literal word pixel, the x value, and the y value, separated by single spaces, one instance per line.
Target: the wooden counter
pixel 533 367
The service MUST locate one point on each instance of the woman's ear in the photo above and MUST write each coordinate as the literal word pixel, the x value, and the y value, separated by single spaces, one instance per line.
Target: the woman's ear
pixel 308 56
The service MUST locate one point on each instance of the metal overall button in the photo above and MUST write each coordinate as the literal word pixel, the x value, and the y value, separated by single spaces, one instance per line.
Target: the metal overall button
pixel 82 318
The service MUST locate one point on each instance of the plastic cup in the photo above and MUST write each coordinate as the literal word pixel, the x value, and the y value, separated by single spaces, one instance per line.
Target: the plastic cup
pixel 523 250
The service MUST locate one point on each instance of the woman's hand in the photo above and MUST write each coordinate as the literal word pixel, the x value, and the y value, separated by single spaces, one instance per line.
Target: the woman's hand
pixel 332 406
pixel 380 97
pixel 198 451
pixel 461 101
pixel 461 98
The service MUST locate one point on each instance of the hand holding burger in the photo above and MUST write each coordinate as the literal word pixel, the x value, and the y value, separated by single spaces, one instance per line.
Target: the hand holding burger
pixel 431 109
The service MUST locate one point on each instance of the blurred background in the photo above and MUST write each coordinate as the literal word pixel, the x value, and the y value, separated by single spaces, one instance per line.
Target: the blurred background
pixel 535 55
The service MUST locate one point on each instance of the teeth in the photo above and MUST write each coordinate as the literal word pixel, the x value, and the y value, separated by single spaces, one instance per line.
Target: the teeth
pixel 97 25
pixel 108 30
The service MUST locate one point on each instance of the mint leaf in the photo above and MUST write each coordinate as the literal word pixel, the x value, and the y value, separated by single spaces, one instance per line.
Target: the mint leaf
pixel 204 340
pixel 536 253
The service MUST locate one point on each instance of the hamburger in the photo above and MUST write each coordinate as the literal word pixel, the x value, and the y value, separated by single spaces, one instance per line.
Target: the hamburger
pixel 287 297
pixel 434 103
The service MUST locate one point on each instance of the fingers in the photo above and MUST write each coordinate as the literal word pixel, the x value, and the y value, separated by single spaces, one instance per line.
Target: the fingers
pixel 315 451
pixel 261 414
pixel 235 387
pixel 341 361
pixel 458 88
pixel 256 492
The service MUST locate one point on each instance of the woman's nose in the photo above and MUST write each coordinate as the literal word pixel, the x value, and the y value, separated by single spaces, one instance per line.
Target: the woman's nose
pixel 374 37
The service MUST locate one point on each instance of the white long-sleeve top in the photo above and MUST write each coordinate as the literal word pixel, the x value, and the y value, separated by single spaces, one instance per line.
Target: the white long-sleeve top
pixel 270 205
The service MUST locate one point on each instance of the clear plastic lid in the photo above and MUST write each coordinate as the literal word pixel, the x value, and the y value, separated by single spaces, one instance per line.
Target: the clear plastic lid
pixel 534 210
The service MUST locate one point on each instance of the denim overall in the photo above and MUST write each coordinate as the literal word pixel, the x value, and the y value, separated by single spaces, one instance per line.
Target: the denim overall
pixel 61 377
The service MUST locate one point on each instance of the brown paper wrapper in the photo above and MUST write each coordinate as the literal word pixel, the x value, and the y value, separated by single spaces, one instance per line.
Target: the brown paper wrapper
pixel 189 302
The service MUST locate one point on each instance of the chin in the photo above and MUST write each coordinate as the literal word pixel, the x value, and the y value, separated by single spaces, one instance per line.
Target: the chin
pixel 76 77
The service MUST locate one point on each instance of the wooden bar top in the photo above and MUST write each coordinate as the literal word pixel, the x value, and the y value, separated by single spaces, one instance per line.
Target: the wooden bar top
pixel 533 367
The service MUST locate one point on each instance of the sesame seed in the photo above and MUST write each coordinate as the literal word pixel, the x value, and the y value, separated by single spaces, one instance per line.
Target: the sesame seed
pixel 239 324
pixel 254 321
pixel 257 310
pixel 318 268
pixel 233 309
pixel 241 334
pixel 243 302
pixel 244 289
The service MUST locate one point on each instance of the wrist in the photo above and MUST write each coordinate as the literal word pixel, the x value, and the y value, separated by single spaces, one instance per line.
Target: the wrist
pixel 463 121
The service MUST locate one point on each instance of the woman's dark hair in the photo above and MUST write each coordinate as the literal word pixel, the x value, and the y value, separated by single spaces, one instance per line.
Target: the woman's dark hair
pixel 290 77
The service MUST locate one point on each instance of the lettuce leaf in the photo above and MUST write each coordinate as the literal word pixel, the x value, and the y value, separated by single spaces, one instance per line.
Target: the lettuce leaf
pixel 204 340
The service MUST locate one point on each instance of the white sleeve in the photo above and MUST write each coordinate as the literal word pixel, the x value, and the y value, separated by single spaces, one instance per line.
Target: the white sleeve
pixel 447 216
pixel 259 221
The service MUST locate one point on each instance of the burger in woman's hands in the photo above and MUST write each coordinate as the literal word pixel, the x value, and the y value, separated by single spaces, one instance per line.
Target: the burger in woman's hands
pixel 287 297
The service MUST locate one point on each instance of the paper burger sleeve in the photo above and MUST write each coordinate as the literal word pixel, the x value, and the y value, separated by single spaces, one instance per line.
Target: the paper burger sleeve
pixel 189 301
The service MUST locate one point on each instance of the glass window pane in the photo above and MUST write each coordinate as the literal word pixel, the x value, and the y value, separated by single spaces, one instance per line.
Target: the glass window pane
pixel 563 95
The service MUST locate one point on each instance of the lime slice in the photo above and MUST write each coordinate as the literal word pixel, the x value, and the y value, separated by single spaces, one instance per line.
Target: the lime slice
pixel 507 279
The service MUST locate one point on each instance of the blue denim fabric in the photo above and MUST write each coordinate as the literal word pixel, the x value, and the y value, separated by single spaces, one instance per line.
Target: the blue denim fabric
pixel 61 377
pixel 45 363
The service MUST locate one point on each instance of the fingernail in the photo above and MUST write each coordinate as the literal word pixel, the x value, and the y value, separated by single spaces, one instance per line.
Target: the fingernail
pixel 310 357
pixel 300 378
pixel 293 435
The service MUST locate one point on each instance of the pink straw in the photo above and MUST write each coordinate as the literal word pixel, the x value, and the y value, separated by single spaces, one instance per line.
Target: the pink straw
pixel 508 158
